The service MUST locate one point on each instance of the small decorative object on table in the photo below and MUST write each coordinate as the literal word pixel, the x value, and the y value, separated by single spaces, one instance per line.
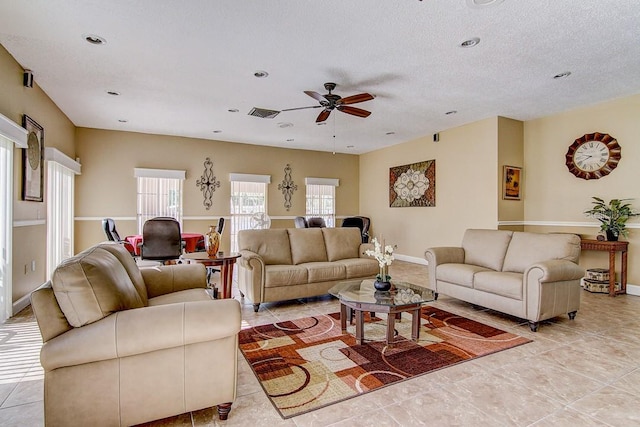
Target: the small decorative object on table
pixel 212 242
pixel 613 216
pixel 384 255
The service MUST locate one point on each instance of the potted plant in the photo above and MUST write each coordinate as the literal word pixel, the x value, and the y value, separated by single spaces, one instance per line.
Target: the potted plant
pixel 613 216
pixel 384 255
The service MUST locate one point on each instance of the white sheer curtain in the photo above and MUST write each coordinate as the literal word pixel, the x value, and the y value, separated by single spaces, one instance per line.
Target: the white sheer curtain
pixel 6 218
pixel 59 214
pixel 321 202
pixel 159 194
pixel 247 198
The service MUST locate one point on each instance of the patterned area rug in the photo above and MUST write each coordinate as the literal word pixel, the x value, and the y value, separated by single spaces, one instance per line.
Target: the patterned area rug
pixel 308 363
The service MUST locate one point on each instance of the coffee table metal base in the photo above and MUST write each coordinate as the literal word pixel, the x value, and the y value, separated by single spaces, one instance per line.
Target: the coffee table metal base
pixel 360 308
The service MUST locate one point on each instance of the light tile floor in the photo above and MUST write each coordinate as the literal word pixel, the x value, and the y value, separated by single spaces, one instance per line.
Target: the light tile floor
pixel 584 372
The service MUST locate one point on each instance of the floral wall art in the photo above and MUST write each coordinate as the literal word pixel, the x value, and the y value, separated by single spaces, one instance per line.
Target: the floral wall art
pixel 413 185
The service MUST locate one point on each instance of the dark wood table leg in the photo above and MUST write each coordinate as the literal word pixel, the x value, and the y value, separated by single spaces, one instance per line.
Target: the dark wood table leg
pixel 359 327
pixel 343 318
pixel 612 273
pixel 623 273
pixel 415 324
pixel 391 323
pixel 226 274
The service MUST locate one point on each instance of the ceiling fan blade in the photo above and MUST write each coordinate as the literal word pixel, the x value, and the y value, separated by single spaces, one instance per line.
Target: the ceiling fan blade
pixel 354 99
pixel 354 111
pixel 302 108
pixel 315 95
pixel 324 115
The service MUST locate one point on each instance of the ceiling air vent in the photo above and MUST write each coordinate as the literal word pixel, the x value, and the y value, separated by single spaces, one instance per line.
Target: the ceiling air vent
pixel 263 113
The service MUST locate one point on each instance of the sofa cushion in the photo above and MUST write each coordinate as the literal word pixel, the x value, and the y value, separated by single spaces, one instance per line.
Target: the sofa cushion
pixel 325 271
pixel 92 285
pixel 360 267
pixel 459 274
pixel 284 275
pixel 119 251
pixel 307 245
pixel 342 243
pixel 527 249
pixel 486 248
pixel 272 244
pixel 500 283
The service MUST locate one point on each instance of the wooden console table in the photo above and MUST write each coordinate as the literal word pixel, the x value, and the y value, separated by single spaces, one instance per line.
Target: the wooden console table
pixel 612 248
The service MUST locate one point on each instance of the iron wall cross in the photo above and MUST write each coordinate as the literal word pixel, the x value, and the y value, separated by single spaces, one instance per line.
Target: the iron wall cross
pixel 287 187
pixel 208 183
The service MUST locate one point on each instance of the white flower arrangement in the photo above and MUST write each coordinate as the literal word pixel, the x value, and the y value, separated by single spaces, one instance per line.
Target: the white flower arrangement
pixel 384 255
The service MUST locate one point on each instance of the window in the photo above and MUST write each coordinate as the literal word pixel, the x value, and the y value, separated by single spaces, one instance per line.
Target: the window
pixel 9 133
pixel 159 194
pixel 321 199
pixel 60 183
pixel 248 197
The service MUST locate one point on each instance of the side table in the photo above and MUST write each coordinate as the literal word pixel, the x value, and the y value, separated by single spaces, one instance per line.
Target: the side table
pixel 612 248
pixel 225 261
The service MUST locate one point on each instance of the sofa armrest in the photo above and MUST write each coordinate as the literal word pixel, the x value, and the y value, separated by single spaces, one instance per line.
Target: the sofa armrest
pixel 166 279
pixel 441 255
pixel 250 260
pixel 556 270
pixel 127 333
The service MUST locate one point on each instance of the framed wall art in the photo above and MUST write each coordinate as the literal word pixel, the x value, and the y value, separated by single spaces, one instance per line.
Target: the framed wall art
pixel 32 158
pixel 413 185
pixel 512 183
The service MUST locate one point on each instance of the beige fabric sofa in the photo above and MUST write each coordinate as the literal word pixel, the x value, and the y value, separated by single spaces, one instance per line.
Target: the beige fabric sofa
pixel 283 264
pixel 533 276
pixel 124 345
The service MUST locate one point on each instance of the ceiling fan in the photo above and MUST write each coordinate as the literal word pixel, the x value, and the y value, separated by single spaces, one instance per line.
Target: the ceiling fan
pixel 331 101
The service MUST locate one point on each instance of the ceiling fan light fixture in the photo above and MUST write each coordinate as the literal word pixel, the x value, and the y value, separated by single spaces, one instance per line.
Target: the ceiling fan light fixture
pixel 472 42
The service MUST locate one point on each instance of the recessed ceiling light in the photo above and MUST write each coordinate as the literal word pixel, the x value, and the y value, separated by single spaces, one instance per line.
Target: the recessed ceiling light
pixel 290 140
pixel 93 39
pixel 217 131
pixel 233 110
pixel 123 120
pixel 261 74
pixel 478 4
pixel 562 75
pixel 350 146
pixel 390 133
pixel 448 113
pixel 285 125
pixel 113 93
pixel 321 123
pixel 471 42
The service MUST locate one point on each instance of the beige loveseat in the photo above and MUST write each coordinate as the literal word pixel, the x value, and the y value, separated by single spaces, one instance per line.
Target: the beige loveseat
pixel 124 345
pixel 533 276
pixel 283 264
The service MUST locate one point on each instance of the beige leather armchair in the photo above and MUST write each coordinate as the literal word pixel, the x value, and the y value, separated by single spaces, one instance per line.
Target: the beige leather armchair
pixel 124 345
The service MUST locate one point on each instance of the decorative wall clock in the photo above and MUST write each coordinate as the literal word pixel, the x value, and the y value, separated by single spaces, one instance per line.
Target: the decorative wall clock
pixel 593 155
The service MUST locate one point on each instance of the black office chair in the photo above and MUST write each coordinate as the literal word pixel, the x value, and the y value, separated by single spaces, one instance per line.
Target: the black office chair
pixel 109 228
pixel 161 239
pixel 316 222
pixel 301 222
pixel 362 222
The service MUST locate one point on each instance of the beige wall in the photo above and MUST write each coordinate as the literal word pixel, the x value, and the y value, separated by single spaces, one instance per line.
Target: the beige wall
pixel 510 153
pixel 466 187
pixel 29 235
pixel 556 200
pixel 107 187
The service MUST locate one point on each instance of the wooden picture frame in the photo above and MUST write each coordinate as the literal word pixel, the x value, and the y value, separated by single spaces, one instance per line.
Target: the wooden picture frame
pixel 32 161
pixel 512 183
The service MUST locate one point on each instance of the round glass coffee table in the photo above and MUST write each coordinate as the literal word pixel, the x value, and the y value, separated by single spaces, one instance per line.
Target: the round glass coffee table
pixel 359 296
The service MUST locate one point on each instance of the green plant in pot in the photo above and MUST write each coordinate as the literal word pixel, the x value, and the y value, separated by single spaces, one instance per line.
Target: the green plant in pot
pixel 613 216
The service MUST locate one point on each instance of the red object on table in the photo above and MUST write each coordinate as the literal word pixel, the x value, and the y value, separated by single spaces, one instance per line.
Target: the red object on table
pixel 193 242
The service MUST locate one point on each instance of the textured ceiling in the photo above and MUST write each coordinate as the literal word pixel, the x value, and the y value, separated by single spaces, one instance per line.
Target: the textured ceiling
pixel 179 66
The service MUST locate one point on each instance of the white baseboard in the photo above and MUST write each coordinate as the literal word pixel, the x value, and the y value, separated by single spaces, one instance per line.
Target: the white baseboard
pixel 633 290
pixel 412 259
pixel 19 305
